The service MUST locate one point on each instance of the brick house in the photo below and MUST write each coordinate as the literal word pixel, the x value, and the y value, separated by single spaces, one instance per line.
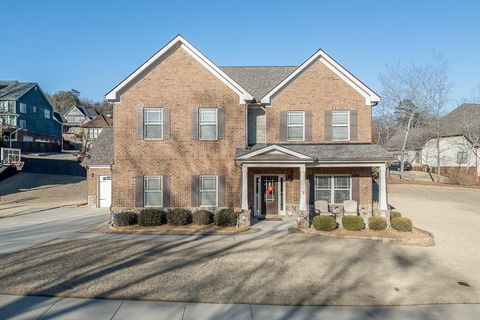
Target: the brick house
pixel 269 140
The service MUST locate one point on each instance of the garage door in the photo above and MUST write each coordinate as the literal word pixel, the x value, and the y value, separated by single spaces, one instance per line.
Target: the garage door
pixel 105 192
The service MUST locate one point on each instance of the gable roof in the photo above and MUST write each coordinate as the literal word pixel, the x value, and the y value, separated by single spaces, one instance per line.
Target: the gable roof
pixel 456 121
pixel 12 90
pixel 87 112
pixel 258 80
pixel 370 96
pixel 180 42
pixel 99 121
pixel 101 153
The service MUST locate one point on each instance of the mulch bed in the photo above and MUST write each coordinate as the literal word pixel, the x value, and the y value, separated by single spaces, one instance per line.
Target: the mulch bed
pixel 189 229
pixel 417 237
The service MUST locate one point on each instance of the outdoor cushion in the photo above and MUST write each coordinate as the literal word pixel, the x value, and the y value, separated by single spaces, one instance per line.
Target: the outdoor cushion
pixel 321 206
pixel 350 207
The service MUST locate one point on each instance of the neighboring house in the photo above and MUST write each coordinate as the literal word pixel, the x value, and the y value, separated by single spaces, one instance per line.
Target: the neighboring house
pixel 93 128
pixel 458 144
pixel 27 116
pixel 269 140
pixel 75 117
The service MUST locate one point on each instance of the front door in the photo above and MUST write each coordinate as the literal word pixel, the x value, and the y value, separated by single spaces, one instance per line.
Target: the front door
pixel 270 194
pixel 105 191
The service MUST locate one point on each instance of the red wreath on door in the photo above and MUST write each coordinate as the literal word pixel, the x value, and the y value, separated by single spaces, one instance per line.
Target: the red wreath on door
pixel 270 188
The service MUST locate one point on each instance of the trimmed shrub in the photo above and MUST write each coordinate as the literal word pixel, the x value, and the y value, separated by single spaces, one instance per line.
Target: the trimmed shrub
pixel 202 217
pixel 179 217
pixel 377 223
pixel 124 218
pixel 226 218
pixel 353 223
pixel 152 217
pixel 402 224
pixel 395 214
pixel 324 223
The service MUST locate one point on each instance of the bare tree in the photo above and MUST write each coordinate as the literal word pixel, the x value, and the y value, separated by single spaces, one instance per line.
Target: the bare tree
pixel 407 90
pixel 383 124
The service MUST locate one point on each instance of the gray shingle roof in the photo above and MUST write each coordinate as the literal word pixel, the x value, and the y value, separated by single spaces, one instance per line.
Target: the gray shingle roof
pixel 258 81
pixel 12 90
pixel 456 121
pixel 333 152
pixel 101 152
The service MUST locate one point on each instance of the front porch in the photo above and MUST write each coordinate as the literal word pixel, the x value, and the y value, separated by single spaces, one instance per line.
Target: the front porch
pixel 277 181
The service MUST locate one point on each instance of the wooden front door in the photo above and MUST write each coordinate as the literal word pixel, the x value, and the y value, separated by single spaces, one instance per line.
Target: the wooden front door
pixel 270 194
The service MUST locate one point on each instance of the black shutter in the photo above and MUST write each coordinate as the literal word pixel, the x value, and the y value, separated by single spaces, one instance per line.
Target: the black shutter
pixel 166 124
pixel 195 124
pixel 311 189
pixel 353 125
pixel 221 123
pixel 308 125
pixel 327 121
pixel 166 191
pixel 139 191
pixel 195 190
pixel 221 191
pixel 356 188
pixel 283 126
pixel 139 124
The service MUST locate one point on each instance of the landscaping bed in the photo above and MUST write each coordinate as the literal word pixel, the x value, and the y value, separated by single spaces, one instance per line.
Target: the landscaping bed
pixel 189 229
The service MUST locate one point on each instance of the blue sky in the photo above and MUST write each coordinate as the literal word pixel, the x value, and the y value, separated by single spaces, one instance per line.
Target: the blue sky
pixel 92 45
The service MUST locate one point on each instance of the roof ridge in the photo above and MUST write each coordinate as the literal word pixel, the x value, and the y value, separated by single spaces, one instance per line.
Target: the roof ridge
pixel 264 66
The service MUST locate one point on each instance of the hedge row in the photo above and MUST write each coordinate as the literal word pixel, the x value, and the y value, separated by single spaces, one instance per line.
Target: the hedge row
pixel 175 217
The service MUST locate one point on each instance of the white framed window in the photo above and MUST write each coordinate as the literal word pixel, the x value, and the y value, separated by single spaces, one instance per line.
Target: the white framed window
pixel 34 108
pixel 22 123
pixel 93 133
pixel 341 125
pixel 207 124
pixel 462 157
pixel 208 191
pixel 153 123
pixel 46 113
pixel 153 191
pixel 23 107
pixel 296 125
pixel 333 188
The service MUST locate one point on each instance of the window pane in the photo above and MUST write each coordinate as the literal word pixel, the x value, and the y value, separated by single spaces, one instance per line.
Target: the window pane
pixel 342 182
pixel 339 117
pixel 341 195
pixel 208 183
pixel 295 133
pixel 208 198
pixel 208 116
pixel 153 199
pixel 340 133
pixel 322 182
pixel 295 118
pixel 208 132
pixel 322 195
pixel 152 183
pixel 153 131
pixel 153 115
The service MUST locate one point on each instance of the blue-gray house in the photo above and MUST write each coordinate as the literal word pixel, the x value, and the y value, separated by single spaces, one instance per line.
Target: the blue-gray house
pixel 26 116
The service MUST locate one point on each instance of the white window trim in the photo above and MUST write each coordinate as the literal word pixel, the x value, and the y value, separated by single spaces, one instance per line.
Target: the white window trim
pixel 208 124
pixel 342 125
pixel 24 105
pixel 145 178
pixel 162 123
pixel 296 125
pixel 200 191
pixel 466 157
pixel 332 185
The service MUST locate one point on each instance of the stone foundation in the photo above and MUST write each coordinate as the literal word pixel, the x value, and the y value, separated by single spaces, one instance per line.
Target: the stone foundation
pixel 244 218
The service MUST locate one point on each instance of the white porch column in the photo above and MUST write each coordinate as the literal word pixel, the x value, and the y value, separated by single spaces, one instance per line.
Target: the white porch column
pixel 303 202
pixel 382 188
pixel 244 187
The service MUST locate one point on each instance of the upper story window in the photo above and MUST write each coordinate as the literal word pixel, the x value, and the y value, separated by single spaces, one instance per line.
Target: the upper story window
pixel 462 157
pixel 34 108
pixel 340 125
pixel 153 123
pixel 23 107
pixel 22 123
pixel 153 191
pixel 208 124
pixel 295 125
pixel 208 191
pixel 46 113
pixel 75 119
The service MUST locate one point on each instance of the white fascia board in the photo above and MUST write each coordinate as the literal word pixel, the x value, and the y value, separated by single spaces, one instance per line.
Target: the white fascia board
pixel 370 96
pixel 197 55
pixel 275 147
pixel 346 164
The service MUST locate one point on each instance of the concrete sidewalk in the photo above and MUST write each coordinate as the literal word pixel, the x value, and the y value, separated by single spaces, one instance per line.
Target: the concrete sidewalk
pixel 33 307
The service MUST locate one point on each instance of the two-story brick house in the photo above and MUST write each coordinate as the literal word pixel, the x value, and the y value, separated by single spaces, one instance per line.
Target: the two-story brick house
pixel 271 140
